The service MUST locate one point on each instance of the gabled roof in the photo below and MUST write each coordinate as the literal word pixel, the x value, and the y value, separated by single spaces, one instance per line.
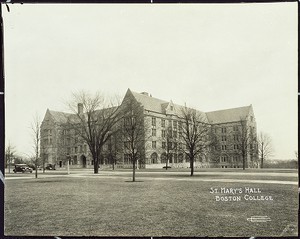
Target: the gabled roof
pixel 160 106
pixel 228 115
pixel 149 102
pixel 60 117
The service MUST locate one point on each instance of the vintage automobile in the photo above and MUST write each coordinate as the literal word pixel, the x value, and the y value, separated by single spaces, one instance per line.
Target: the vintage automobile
pixel 50 167
pixel 23 168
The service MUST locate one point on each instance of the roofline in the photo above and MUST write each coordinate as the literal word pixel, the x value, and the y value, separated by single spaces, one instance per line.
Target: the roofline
pixel 249 106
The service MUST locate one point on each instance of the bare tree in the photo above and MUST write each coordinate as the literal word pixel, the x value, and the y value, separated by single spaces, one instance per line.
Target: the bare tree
pixel 195 134
pixel 95 119
pixel 35 126
pixel 9 154
pixel 114 147
pixel 214 148
pixel 265 149
pixel 245 140
pixel 133 132
pixel 296 154
pixel 169 145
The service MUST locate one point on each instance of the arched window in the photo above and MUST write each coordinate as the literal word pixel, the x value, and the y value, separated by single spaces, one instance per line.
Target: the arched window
pixel 180 158
pixel 163 158
pixel 154 158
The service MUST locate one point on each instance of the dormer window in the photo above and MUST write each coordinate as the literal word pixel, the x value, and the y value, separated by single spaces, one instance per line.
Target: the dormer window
pixel 171 107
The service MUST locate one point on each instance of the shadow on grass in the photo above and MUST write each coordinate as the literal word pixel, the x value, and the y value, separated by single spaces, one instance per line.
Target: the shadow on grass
pixel 134 181
pixel 40 180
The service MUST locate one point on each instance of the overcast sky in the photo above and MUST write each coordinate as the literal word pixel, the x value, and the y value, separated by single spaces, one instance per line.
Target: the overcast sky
pixel 211 56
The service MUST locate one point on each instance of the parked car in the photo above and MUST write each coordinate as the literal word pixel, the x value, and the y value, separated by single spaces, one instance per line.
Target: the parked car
pixel 50 167
pixel 23 168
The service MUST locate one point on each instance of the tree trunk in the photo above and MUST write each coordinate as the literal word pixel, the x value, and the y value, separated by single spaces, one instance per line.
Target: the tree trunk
pixel 167 164
pixel 36 169
pixel 96 165
pixel 133 171
pixel 192 166
pixel 9 164
pixel 43 165
pixel 244 162
pixel 262 162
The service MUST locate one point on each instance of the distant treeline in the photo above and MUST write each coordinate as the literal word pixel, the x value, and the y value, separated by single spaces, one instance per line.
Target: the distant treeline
pixel 281 164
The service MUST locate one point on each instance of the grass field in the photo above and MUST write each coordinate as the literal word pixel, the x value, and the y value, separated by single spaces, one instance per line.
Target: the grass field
pixel 115 207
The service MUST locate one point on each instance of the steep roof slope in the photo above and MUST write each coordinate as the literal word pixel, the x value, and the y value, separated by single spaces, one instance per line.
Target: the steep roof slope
pixel 58 116
pixel 149 102
pixel 228 115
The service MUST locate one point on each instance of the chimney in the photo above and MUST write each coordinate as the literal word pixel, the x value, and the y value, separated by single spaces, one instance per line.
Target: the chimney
pixel 80 108
pixel 145 93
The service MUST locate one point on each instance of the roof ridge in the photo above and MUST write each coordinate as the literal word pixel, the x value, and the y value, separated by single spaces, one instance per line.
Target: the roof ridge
pixel 150 97
pixel 228 109
pixel 61 112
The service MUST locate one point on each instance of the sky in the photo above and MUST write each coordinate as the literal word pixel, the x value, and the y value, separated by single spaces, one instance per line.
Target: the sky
pixel 209 56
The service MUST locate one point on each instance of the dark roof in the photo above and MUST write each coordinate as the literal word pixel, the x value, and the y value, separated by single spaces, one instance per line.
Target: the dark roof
pixel 157 105
pixel 228 115
pixel 61 117
pixel 149 102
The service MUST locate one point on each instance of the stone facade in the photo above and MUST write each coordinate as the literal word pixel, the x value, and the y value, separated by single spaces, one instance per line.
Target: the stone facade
pixel 58 143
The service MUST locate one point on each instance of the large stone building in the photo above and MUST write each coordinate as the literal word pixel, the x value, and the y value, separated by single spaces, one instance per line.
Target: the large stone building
pixel 60 143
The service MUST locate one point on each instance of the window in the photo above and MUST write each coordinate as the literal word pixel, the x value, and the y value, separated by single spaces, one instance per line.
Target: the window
pixel 171 107
pixel 153 132
pixel 170 158
pixel 154 144
pixel 180 125
pixel 127 159
pixel 235 137
pixel 85 149
pixel 175 158
pixel 75 150
pixel 224 147
pixel 235 128
pixel 163 123
pixel 163 145
pixel 127 144
pixel 224 138
pixel 175 145
pixel 175 134
pixel 163 133
pixel 153 121
pixel 223 130
pixel 236 146
pixel 224 158
pixel 170 133
pixel 175 124
pixel 127 121
pixel 169 145
pixel 170 123
pixel 180 145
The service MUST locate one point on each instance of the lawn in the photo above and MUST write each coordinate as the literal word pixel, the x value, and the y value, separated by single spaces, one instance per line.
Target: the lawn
pixel 115 207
